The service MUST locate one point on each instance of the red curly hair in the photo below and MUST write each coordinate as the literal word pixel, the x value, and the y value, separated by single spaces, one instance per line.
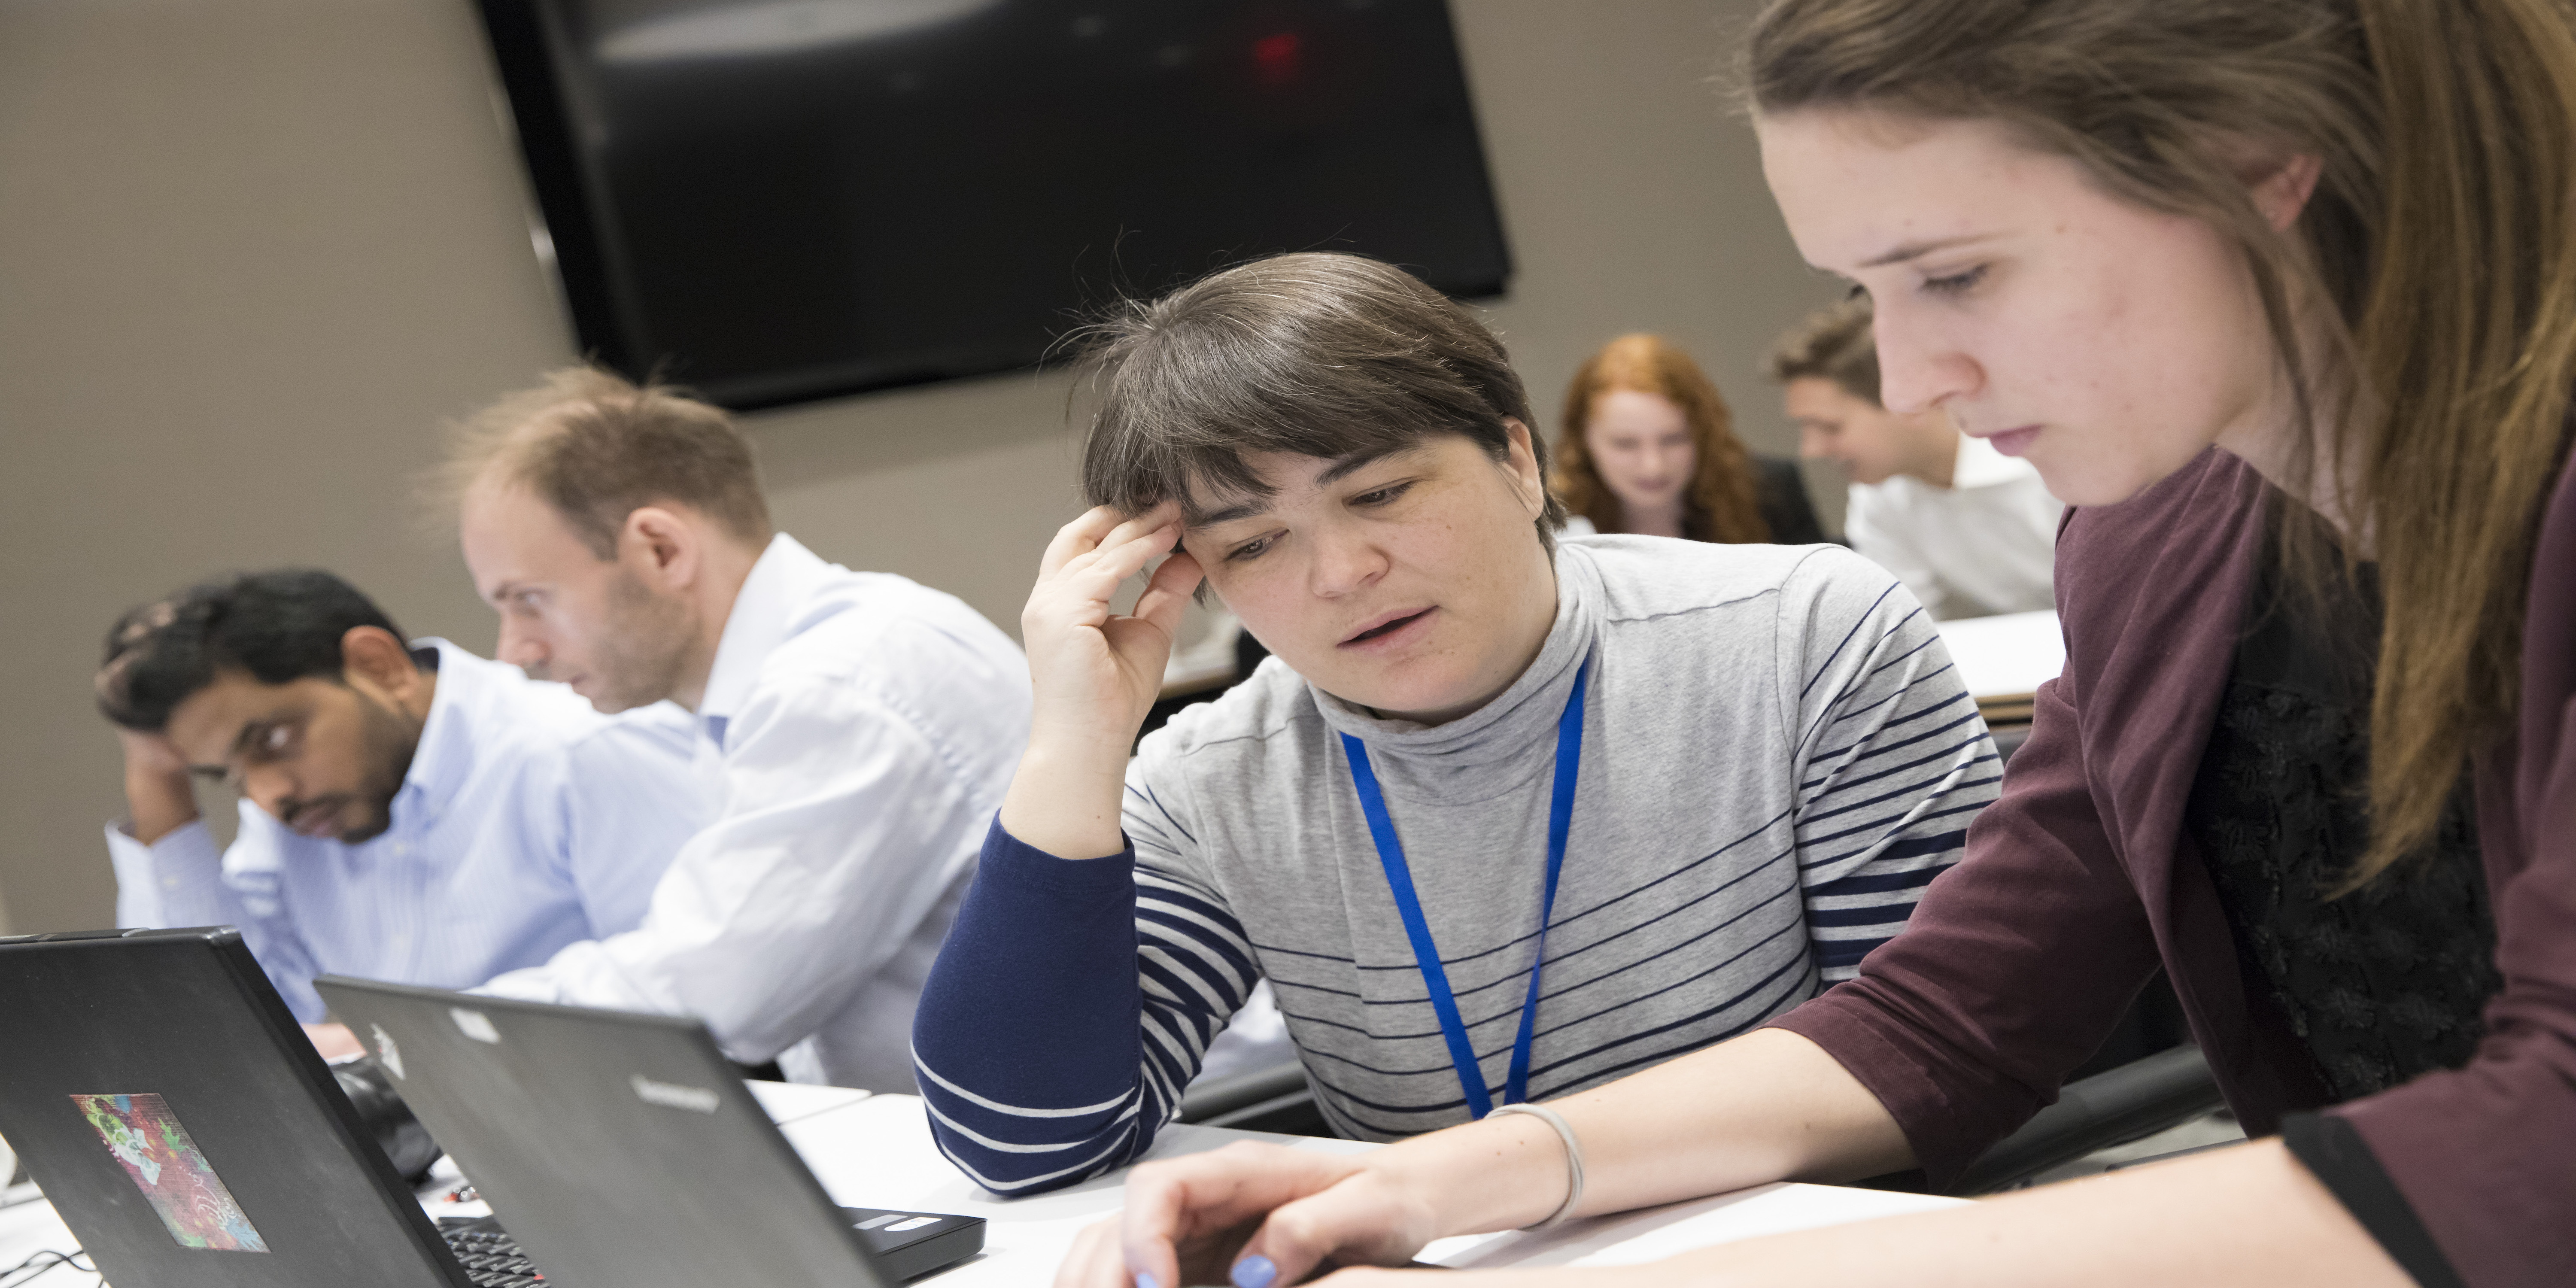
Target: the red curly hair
pixel 1722 504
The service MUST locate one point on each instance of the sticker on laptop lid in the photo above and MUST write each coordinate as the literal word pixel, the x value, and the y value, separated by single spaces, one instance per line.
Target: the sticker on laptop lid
pixel 474 1024
pixel 156 1153
pixel 673 1095
pixel 387 1054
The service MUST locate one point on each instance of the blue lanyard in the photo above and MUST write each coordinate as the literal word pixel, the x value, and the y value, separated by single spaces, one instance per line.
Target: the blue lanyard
pixel 1426 955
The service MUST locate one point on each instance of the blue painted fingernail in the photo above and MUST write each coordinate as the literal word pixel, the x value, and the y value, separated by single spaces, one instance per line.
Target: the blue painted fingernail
pixel 1254 1272
pixel 1144 1280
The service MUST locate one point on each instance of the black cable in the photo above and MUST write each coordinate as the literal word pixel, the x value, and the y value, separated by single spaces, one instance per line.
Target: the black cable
pixel 34 1267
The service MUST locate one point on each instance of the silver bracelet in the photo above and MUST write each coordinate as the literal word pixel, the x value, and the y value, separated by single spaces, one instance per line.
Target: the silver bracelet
pixel 1573 1159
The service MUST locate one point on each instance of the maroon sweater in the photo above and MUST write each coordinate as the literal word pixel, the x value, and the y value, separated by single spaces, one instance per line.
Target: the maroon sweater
pixel 2081 879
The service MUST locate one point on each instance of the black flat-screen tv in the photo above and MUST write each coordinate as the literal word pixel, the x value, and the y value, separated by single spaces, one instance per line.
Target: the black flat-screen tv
pixel 780 200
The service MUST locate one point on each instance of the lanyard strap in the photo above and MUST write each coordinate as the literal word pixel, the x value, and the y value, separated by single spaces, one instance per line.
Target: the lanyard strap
pixel 1426 954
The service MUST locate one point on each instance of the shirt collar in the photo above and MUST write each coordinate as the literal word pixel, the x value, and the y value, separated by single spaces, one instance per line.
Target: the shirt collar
pixel 444 757
pixel 1980 465
pixel 763 617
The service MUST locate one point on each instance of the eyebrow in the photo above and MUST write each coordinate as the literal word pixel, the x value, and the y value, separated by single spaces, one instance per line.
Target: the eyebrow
pixel 1360 460
pixel 1916 250
pixel 241 742
pixel 1244 509
pixel 1334 473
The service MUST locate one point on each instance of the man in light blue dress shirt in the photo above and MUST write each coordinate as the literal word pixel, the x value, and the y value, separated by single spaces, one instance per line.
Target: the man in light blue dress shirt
pixel 862 726
pixel 410 813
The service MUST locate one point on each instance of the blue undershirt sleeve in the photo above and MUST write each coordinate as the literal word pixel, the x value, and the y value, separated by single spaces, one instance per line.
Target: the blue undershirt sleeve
pixel 1028 1039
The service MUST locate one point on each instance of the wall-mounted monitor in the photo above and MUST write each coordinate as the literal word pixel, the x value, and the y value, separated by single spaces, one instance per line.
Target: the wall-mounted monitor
pixel 781 200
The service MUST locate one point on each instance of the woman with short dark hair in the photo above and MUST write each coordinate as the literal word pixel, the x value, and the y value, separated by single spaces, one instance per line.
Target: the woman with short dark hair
pixel 1501 817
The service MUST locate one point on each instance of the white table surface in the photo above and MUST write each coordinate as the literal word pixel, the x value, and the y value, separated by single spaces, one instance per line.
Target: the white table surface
pixel 28 1228
pixel 2006 655
pixel 875 1151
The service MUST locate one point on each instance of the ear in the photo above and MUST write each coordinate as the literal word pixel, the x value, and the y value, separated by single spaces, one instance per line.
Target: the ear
pixel 2282 192
pixel 664 545
pixel 1522 465
pixel 373 659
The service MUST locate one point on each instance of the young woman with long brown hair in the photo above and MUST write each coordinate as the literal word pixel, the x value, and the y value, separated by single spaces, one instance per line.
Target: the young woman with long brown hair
pixel 2281 295
pixel 1649 447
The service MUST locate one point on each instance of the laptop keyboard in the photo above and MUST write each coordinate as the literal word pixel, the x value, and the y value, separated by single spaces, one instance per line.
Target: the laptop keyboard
pixel 492 1258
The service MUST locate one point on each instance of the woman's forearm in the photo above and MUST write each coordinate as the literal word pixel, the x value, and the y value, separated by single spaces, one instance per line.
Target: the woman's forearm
pixel 1064 799
pixel 1768 1106
pixel 2246 1216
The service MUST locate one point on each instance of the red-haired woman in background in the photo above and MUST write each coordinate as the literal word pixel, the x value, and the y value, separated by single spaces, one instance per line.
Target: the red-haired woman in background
pixel 1649 448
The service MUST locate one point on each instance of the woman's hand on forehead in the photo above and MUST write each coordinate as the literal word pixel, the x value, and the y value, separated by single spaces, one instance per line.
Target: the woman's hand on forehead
pixel 1093 556
pixel 1095 672
pixel 1102 526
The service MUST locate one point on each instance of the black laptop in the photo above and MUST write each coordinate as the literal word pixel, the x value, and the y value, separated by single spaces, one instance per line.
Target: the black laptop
pixel 183 1127
pixel 623 1150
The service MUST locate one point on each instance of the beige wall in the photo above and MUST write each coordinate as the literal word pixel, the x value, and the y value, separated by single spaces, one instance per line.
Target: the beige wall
pixel 253 252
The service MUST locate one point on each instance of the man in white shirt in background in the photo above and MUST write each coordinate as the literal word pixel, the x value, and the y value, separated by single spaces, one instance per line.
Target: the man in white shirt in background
pixel 1968 529
pixel 409 813
pixel 860 728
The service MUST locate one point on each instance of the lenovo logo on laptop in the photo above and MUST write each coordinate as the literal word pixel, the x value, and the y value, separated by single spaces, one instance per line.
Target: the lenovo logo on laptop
pixel 671 1095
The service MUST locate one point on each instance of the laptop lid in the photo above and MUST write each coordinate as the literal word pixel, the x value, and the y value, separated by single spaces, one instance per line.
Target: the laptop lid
pixel 621 1150
pixel 174 1112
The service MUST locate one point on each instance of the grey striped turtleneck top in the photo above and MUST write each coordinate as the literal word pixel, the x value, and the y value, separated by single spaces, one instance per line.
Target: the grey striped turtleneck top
pixel 1778 757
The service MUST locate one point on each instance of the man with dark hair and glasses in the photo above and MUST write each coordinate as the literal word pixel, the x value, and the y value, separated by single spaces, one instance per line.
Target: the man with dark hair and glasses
pixel 409 812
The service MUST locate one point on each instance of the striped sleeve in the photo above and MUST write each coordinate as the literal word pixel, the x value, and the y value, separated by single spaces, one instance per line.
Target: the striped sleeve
pixel 1072 1003
pixel 1893 760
